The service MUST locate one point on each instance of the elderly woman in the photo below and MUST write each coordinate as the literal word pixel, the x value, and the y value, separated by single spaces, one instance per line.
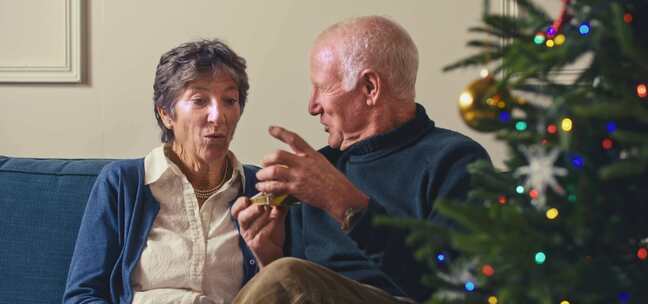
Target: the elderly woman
pixel 158 229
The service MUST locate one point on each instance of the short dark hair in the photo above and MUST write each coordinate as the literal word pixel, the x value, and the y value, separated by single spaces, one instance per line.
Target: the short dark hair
pixel 190 61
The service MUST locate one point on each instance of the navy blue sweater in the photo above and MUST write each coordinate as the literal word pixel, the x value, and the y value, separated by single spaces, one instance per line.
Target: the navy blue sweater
pixel 403 172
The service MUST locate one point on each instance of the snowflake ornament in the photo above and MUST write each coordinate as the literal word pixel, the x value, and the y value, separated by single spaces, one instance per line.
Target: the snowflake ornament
pixel 541 172
pixel 458 274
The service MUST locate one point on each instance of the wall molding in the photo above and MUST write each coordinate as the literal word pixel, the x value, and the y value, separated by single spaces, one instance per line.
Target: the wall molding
pixel 70 71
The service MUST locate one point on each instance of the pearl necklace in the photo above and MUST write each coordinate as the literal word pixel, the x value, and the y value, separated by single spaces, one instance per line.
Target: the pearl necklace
pixel 205 194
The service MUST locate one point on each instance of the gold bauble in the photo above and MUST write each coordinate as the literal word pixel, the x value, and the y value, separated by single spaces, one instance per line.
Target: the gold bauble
pixel 481 104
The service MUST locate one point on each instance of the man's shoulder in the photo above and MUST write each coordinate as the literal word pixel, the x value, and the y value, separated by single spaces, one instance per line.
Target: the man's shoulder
pixel 440 143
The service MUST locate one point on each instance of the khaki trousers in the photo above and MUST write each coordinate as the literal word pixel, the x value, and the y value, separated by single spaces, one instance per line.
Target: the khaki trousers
pixel 292 280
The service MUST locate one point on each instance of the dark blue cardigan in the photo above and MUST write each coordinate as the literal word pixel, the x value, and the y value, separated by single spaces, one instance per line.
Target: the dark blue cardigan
pixel 403 172
pixel 114 229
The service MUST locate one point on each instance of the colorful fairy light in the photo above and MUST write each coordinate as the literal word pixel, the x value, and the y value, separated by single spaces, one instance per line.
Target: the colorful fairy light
pixel 440 257
pixel 540 257
pixel 577 161
pixel 492 300
pixel 567 124
pixel 521 125
pixel 551 31
pixel 488 270
pixel 552 213
pixel 584 29
pixel 539 38
pixel 552 129
pixel 550 43
pixel 642 90
pixel 611 127
pixel 504 116
pixel 519 189
pixel 484 73
pixel 564 302
pixel 571 198
pixel 642 253
pixel 607 143
pixel 627 17
pixel 560 39
pixel 624 297
pixel 469 286
pixel 533 193
pixel 502 199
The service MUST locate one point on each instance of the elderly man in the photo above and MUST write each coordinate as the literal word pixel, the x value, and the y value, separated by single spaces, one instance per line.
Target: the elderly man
pixel 384 157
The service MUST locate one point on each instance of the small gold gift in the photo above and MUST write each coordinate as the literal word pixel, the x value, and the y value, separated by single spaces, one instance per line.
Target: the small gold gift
pixel 268 199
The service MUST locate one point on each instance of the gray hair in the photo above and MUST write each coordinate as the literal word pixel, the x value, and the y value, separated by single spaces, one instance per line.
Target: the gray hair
pixel 381 44
pixel 188 62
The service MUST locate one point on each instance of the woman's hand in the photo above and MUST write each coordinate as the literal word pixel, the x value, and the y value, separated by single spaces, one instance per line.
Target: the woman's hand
pixel 262 228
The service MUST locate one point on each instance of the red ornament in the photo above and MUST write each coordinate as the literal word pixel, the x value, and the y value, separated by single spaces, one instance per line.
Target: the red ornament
pixel 607 144
pixel 552 129
pixel 502 199
pixel 642 253
pixel 627 17
pixel 488 270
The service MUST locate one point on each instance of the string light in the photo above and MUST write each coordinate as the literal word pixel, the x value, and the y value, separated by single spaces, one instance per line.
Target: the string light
pixel 642 90
pixel 533 193
pixel 571 198
pixel 502 199
pixel 560 39
pixel 469 286
pixel 567 124
pixel 484 73
pixel 540 257
pixel 584 29
pixel 492 300
pixel 577 161
pixel 627 17
pixel 519 189
pixel 539 38
pixel 552 213
pixel 550 43
pixel 504 116
pixel 642 253
pixel 607 143
pixel 488 270
pixel 521 125
pixel 611 127
pixel 624 297
pixel 440 257
pixel 552 129
pixel 551 31
pixel 564 302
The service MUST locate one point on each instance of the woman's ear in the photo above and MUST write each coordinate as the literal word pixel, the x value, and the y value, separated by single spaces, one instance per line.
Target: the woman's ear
pixel 371 86
pixel 166 118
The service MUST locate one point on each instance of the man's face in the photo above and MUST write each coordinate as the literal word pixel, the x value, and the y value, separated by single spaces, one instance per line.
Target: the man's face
pixel 340 112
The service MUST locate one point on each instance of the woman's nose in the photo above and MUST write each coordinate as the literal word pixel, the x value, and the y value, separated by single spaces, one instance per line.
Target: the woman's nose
pixel 214 112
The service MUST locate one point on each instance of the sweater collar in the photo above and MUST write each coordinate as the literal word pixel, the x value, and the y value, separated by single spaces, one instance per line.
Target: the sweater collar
pixel 395 138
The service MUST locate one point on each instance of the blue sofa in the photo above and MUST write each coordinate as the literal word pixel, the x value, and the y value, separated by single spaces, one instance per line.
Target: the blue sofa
pixel 41 205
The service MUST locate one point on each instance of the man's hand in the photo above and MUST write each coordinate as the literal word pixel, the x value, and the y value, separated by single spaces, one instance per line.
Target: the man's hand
pixel 309 176
pixel 262 228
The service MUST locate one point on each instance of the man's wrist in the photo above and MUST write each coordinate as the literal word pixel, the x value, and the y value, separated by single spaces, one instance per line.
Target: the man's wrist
pixel 348 210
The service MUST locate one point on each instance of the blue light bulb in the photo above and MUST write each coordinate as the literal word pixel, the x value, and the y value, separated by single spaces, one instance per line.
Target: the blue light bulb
pixel 584 29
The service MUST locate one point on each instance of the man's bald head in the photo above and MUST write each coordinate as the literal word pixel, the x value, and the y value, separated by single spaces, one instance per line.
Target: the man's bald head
pixel 378 43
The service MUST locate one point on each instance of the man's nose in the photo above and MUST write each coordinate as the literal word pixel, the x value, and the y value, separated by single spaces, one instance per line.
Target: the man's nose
pixel 314 108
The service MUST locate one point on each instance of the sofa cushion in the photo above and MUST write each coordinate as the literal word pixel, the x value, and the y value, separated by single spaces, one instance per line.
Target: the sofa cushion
pixel 41 204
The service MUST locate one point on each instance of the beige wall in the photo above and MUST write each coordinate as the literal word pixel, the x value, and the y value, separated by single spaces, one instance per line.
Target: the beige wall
pixel 110 113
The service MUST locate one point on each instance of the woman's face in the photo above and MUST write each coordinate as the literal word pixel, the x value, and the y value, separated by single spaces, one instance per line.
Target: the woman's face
pixel 206 114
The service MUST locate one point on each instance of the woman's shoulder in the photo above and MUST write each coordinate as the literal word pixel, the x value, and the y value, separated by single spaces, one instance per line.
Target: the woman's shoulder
pixel 123 169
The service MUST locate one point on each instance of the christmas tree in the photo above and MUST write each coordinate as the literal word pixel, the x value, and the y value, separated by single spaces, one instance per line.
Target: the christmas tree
pixel 566 219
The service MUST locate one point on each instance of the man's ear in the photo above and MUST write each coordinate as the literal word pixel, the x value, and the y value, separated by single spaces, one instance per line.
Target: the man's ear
pixel 166 118
pixel 371 86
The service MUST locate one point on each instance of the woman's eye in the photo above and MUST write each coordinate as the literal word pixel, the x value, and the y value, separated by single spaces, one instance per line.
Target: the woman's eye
pixel 198 101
